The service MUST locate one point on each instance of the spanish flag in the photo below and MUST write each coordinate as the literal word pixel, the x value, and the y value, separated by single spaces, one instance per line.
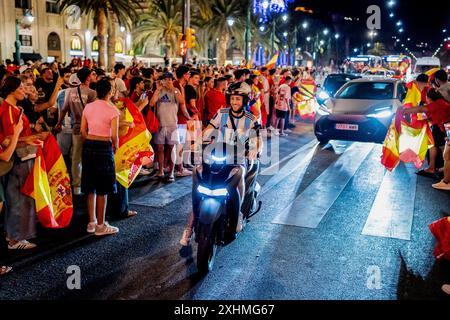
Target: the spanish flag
pixel 273 62
pixel 430 73
pixel 413 95
pixel 413 99
pixel 134 147
pixel 49 185
pixel 305 100
pixel 406 142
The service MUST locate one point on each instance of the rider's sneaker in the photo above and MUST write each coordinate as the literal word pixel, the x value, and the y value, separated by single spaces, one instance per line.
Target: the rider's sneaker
pixel 187 237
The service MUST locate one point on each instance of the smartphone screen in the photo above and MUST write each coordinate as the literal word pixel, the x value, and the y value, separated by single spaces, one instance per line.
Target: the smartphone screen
pixel 447 129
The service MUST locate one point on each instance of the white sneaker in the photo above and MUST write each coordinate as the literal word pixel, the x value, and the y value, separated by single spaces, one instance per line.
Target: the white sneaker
pixel 105 229
pixel 442 186
pixel 144 172
pixel 77 191
pixel 91 227
pixel 446 288
pixel 288 131
pixel 187 237
pixel 184 173
pixel 283 134
pixel 275 132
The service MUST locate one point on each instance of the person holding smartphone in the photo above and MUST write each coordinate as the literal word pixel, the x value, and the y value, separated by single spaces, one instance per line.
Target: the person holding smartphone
pixel 437 111
pixel 137 93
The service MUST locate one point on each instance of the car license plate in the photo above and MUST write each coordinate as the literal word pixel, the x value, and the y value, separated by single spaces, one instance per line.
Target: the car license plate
pixel 348 127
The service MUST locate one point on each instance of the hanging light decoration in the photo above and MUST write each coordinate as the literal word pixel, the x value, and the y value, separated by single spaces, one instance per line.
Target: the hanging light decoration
pixel 264 8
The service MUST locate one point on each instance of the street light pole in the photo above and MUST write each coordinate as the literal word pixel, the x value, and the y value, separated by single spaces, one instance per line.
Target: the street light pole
pixel 273 36
pixel 18 44
pixel 247 36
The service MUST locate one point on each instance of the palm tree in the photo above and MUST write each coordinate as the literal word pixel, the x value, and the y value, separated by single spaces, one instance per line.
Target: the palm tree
pixel 102 10
pixel 218 27
pixel 162 22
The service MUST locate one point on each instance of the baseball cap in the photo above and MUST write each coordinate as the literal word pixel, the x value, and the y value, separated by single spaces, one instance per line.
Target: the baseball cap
pixel 167 75
pixel 74 81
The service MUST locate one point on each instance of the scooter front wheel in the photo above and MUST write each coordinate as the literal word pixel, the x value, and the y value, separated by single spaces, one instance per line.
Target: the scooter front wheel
pixel 207 248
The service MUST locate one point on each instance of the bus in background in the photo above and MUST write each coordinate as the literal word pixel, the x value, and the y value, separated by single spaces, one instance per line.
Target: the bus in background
pixel 362 63
pixel 426 64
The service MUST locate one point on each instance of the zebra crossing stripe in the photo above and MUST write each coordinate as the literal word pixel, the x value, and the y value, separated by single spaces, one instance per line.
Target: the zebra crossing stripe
pixel 392 212
pixel 309 208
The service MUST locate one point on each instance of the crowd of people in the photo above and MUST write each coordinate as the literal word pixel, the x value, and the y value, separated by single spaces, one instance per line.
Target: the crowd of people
pixel 78 105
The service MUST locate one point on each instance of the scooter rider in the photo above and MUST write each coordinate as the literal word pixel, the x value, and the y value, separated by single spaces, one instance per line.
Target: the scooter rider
pixel 233 125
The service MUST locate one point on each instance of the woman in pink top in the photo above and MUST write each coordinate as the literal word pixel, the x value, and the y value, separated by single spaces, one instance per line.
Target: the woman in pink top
pixel 100 131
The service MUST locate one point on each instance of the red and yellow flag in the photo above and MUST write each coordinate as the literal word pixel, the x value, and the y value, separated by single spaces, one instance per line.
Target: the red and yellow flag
pixel 49 185
pixel 305 100
pixel 413 95
pixel 273 62
pixel 406 142
pixel 134 147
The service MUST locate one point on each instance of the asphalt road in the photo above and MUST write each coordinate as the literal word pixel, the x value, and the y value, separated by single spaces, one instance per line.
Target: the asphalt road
pixel 333 225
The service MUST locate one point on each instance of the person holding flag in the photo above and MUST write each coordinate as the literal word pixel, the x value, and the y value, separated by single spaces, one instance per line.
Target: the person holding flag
pixel 438 113
pixel 100 132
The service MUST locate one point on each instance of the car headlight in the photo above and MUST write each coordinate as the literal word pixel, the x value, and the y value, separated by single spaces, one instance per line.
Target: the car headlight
pixel 222 192
pixel 323 110
pixel 381 113
pixel 323 95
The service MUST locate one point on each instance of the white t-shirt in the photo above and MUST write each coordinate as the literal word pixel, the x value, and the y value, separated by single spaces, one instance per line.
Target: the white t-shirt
pixel 121 88
pixel 283 98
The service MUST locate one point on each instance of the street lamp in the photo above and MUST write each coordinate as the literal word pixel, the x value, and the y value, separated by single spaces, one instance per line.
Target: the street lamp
pixel 391 15
pixel 230 22
pixel 285 34
pixel 122 29
pixel 28 19
pixel 325 32
pixel 284 17
pixel 262 28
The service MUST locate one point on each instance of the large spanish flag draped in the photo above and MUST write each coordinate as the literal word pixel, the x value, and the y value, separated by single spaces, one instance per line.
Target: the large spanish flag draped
pixel 49 185
pixel 134 147
pixel 273 62
pixel 406 142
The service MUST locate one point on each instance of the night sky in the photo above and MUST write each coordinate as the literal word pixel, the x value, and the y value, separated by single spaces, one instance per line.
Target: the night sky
pixel 422 22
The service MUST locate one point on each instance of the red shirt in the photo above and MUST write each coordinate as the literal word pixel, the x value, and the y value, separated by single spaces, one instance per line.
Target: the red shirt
pixel 214 101
pixel 438 112
pixel 9 116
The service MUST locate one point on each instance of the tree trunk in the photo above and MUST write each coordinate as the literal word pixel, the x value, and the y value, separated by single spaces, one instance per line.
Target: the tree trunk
pixel 102 24
pixel 222 48
pixel 111 44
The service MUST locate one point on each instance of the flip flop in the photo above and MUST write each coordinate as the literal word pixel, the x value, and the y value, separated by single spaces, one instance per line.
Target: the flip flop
pixel 131 213
pixel 424 173
pixel 5 270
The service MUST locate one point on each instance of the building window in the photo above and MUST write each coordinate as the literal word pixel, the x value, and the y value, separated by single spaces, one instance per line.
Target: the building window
pixel 25 41
pixel 23 4
pixel 95 44
pixel 119 46
pixel 52 7
pixel 75 43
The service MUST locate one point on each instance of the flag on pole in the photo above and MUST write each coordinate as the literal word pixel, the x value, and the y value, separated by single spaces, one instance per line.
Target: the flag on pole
pixel 134 147
pixel 273 62
pixel 413 95
pixel 49 185
pixel 390 157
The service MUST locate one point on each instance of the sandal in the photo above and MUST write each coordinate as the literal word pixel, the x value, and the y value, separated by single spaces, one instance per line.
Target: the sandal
pixel 21 245
pixel 131 213
pixel 4 270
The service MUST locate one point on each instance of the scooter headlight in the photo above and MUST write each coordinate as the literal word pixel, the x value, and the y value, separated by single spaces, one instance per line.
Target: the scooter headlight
pixel 222 192
pixel 218 159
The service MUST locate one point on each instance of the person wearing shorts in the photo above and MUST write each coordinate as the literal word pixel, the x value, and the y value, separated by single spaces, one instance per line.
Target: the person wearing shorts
pixel 282 105
pixel 166 101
